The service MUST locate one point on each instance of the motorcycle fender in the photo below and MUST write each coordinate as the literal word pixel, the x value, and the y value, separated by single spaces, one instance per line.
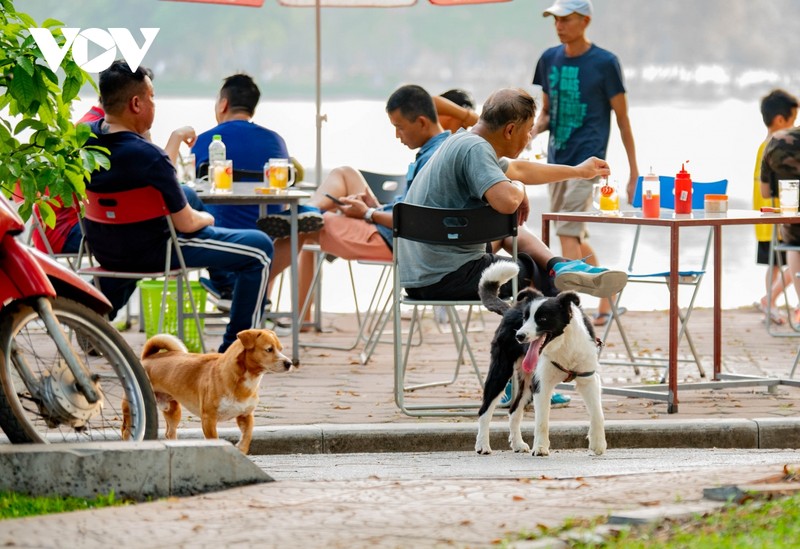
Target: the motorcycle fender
pixel 70 285
pixel 19 277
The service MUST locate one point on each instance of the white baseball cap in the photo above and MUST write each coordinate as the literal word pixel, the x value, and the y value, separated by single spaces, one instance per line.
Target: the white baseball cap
pixel 563 8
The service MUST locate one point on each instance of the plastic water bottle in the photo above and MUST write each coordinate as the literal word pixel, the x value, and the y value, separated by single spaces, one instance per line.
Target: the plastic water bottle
pixel 216 150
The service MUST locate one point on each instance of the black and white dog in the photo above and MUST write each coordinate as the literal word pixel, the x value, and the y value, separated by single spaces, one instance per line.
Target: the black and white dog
pixel 545 341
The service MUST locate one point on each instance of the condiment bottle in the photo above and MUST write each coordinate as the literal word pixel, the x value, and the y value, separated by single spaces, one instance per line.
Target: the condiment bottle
pixel 683 191
pixel 651 195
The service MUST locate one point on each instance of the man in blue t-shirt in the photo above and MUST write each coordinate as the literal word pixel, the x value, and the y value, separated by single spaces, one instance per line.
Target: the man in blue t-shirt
pixel 581 84
pixel 127 98
pixel 250 146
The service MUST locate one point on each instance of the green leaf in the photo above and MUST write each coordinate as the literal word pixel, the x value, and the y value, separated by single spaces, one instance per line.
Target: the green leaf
pixel 29 123
pixel 49 74
pixel 72 87
pixel 47 214
pixel 51 23
pixel 26 64
pixel 21 87
pixel 26 19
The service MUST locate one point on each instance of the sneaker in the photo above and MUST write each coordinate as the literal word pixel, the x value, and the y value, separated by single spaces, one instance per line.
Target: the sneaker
pixel 557 400
pixel 309 220
pixel 584 278
pixel 221 297
pixel 506 398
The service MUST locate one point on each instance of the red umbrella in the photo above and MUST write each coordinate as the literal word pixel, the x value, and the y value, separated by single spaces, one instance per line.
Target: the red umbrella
pixel 317 5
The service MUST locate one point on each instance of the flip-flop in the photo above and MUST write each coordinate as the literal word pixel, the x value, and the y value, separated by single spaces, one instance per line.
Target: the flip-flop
pixel 601 319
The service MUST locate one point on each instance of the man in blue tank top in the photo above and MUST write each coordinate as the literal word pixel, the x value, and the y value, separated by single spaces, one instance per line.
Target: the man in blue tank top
pixel 581 84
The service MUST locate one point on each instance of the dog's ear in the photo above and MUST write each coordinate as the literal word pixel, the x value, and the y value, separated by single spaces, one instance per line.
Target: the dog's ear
pixel 248 338
pixel 528 294
pixel 568 297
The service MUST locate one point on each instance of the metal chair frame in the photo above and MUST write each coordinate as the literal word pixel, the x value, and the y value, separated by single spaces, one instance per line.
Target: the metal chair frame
pixel 133 206
pixel 372 320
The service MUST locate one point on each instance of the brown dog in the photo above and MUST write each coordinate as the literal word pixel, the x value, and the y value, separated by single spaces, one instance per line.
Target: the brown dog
pixel 214 386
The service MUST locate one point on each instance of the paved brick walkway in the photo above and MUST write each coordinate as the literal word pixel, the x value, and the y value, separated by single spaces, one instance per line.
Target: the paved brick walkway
pixel 334 387
pixel 373 513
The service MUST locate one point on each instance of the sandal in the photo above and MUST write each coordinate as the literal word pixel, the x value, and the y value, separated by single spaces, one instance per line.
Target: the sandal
pixel 601 319
pixel 775 317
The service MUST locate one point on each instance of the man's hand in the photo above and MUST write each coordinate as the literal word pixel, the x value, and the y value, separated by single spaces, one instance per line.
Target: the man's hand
pixel 185 134
pixel 631 188
pixel 592 167
pixel 355 206
pixel 206 218
pixel 524 208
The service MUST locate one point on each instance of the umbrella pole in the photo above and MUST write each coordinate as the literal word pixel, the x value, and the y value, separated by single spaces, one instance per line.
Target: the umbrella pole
pixel 320 117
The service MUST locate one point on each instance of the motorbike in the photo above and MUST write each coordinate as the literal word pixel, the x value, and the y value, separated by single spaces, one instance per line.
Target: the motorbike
pixel 67 375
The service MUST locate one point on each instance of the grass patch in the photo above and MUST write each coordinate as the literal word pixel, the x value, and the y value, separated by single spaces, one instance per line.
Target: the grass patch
pixel 758 523
pixel 14 505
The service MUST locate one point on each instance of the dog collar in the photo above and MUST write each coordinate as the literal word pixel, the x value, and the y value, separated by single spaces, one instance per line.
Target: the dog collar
pixel 570 374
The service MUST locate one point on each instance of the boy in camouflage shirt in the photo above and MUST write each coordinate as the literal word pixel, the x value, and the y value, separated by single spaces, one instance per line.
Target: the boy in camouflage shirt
pixel 782 161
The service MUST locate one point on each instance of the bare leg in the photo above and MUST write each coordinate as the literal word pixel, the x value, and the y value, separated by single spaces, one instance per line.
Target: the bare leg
pixel 282 258
pixel 776 281
pixel 342 181
pixel 573 248
pixel 527 243
pixel 793 264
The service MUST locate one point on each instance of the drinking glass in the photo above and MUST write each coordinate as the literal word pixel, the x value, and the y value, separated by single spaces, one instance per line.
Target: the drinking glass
pixel 605 198
pixel 187 163
pixel 222 183
pixel 789 195
pixel 280 173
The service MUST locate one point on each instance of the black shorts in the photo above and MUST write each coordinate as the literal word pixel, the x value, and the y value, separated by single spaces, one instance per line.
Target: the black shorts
pixel 790 234
pixel 762 255
pixel 462 284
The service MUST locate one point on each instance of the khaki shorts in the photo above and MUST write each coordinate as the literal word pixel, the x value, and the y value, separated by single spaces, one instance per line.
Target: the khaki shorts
pixel 572 195
pixel 351 238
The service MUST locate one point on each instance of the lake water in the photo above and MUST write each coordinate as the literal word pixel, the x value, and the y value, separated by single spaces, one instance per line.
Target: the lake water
pixel 719 140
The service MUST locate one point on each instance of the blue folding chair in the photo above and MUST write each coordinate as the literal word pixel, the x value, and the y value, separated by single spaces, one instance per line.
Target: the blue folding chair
pixel 691 278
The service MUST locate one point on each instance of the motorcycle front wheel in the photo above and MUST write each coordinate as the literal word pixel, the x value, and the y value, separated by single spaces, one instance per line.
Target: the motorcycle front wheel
pixel 40 400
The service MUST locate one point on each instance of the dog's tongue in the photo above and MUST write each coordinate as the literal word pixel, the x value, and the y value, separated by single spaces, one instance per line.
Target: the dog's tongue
pixel 532 356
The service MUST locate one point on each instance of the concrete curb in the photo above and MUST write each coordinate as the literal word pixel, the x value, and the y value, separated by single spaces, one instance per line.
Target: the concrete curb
pixel 136 470
pixel 193 465
pixel 437 437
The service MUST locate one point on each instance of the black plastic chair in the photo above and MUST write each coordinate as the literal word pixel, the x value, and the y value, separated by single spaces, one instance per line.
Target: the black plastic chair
pixel 385 187
pixel 372 319
pixel 441 227
pixel 253 176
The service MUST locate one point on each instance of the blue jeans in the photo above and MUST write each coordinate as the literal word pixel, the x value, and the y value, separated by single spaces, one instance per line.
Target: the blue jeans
pixel 221 279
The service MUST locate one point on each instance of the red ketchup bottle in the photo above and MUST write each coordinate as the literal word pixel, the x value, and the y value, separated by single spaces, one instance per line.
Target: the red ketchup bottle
pixel 683 191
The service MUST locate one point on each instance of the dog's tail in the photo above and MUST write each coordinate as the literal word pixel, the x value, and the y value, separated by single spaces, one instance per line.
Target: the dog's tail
pixel 492 278
pixel 162 342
